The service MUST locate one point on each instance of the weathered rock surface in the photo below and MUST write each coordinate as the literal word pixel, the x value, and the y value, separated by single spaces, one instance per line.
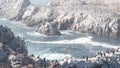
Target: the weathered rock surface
pixel 107 2
pixel 5 35
pixel 23 10
pixel 10 45
pixel 47 29
pixel 96 17
pixel 89 17
pixel 13 9
pixel 15 43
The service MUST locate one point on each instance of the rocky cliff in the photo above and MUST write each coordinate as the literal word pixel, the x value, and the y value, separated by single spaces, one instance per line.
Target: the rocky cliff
pixel 99 17
pixel 13 9
pixel 21 10
pixel 10 46
pixel 105 2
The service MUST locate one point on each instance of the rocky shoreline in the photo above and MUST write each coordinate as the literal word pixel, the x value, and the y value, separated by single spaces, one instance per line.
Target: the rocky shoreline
pixel 88 16
pixel 84 16
pixel 13 54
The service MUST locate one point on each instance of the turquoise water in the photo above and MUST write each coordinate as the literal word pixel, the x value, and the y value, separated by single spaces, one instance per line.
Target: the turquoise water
pixel 57 47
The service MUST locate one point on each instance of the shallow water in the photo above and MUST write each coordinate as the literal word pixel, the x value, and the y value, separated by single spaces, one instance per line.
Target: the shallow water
pixel 57 47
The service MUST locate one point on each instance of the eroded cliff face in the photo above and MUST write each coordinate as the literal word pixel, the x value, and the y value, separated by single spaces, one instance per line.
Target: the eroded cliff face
pixel 22 10
pixel 13 9
pixel 96 17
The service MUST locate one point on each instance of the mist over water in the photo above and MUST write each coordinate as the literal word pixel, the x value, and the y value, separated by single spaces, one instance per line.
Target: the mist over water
pixel 70 43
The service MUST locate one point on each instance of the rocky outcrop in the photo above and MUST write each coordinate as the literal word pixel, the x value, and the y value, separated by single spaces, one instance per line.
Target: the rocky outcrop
pixel 5 35
pixel 10 45
pixel 30 11
pixel 13 9
pixel 105 2
pixel 96 17
pixel 47 29
pixel 100 60
pixel 13 52
pixel 23 10
pixel 9 40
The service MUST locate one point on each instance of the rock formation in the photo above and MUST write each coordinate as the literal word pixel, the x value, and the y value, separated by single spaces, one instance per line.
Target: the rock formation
pixel 83 16
pixel 47 29
pixel 105 2
pixel 10 45
pixel 5 35
pixel 96 17
pixel 13 9
pixel 21 10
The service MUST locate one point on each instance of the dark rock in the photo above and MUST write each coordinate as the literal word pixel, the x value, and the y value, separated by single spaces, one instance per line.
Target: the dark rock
pixel 6 35
pixel 12 49
pixel 47 29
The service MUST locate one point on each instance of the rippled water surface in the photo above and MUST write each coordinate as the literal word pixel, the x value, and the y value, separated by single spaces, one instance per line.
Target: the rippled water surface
pixel 57 47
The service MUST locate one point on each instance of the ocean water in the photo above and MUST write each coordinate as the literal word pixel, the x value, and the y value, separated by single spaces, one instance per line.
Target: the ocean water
pixel 70 43
pixel 39 2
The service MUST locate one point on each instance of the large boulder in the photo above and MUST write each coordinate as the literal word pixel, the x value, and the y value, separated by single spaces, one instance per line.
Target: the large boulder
pixel 47 29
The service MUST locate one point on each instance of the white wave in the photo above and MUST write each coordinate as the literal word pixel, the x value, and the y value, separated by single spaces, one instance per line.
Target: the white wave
pixel 83 40
pixel 33 41
pixel 35 34
pixel 3 19
pixel 55 56
pixel 75 41
pixel 66 32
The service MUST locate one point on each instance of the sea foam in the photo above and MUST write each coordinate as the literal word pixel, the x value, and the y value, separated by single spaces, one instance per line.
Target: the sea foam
pixel 82 40
pixel 55 56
